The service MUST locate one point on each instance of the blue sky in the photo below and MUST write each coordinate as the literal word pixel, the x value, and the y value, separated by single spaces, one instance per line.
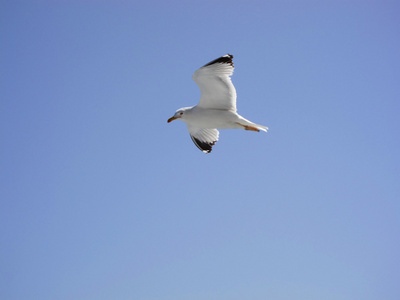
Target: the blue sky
pixel 102 199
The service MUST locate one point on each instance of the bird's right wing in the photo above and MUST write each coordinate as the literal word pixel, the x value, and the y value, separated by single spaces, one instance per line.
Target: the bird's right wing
pixel 216 87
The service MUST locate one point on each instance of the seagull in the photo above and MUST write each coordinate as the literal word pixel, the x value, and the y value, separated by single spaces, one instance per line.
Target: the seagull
pixel 217 106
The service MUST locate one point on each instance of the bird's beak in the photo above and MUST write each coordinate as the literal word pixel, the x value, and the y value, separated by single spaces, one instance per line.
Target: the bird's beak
pixel 171 119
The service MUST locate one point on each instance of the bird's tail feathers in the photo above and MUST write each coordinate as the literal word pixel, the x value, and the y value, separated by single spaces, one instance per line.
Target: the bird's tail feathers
pixel 261 127
pixel 244 122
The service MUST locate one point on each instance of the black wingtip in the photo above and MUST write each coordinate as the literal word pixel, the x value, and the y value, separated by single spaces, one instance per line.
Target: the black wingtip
pixel 226 59
pixel 203 146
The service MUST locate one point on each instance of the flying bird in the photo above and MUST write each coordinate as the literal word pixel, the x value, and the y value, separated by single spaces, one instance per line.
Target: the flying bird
pixel 217 106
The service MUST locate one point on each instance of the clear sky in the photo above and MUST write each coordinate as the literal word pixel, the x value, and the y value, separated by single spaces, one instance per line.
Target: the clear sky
pixel 102 199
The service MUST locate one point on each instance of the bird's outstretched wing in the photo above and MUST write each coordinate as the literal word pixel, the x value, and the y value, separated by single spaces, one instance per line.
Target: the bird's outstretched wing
pixel 203 138
pixel 217 90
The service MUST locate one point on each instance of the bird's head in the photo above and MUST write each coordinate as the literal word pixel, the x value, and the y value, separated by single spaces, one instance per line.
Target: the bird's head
pixel 179 114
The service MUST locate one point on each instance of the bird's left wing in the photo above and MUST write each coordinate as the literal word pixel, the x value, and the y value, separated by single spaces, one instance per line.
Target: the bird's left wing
pixel 216 87
pixel 203 138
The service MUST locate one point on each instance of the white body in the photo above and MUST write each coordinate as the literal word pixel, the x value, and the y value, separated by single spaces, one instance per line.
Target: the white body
pixel 214 118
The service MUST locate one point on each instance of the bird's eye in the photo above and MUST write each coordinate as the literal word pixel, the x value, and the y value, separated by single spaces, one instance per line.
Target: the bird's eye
pixel 181 113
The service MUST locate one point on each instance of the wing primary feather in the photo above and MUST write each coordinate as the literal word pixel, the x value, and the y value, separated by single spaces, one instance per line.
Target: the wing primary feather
pixel 226 59
pixel 203 146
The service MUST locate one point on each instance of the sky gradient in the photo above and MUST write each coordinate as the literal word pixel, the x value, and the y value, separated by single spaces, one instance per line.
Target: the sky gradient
pixel 102 199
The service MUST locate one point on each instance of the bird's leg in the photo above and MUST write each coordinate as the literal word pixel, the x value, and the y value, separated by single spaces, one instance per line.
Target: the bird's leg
pixel 247 127
pixel 251 128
